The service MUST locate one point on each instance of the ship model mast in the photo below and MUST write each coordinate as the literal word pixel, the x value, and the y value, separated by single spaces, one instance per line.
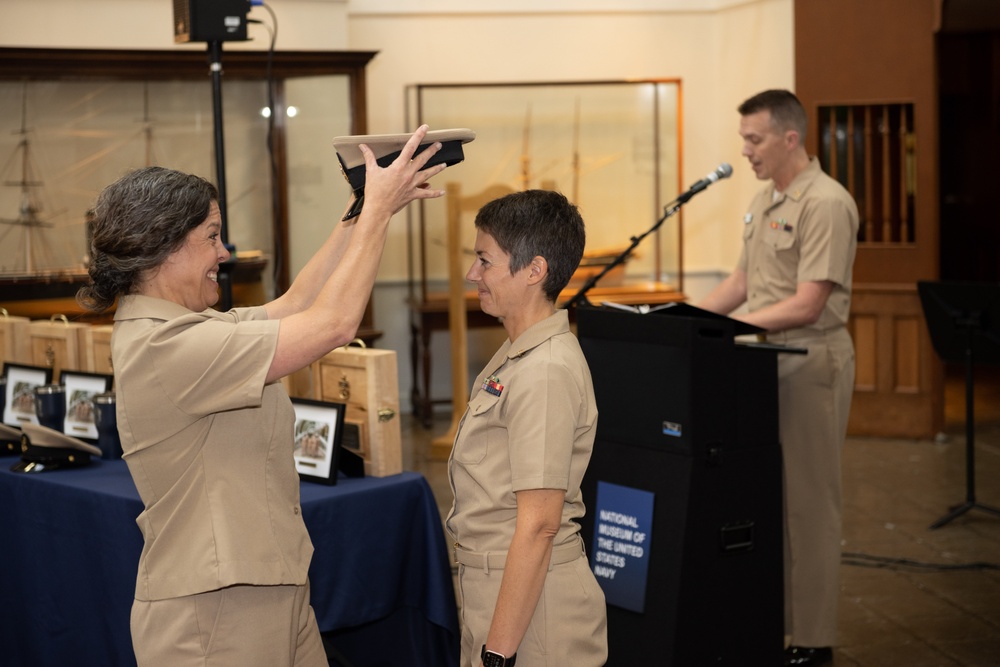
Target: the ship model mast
pixel 28 217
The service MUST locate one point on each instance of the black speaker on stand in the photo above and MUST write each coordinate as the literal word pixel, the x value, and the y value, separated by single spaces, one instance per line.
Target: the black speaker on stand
pixel 214 22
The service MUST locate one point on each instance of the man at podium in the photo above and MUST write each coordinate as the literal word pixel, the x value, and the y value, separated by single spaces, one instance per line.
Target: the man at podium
pixel 794 274
pixel 521 451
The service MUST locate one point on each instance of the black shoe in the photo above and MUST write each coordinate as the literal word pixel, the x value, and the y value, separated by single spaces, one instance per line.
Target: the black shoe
pixel 799 656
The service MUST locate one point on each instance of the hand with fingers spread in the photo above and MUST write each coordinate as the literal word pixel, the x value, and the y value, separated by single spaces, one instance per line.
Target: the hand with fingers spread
pixel 393 187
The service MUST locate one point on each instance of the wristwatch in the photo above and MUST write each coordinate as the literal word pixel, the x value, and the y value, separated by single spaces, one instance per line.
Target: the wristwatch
pixel 494 659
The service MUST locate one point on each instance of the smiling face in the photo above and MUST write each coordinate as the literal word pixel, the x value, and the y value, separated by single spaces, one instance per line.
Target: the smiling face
pixel 501 293
pixel 190 275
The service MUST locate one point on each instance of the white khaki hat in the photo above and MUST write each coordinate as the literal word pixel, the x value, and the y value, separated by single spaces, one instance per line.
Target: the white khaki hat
pixel 386 148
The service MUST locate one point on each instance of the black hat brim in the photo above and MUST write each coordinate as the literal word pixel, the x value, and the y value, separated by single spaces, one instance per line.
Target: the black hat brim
pixel 450 153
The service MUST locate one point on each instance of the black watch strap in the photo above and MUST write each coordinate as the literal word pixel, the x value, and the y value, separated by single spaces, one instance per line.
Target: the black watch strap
pixel 494 659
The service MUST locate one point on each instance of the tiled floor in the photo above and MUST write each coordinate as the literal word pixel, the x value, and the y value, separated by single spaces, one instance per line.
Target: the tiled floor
pixel 911 596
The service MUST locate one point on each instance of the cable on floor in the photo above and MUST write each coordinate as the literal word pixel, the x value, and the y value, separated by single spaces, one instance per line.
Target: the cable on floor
pixel 867 560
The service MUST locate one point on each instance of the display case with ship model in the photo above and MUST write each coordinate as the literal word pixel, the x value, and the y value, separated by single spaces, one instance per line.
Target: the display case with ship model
pixel 612 147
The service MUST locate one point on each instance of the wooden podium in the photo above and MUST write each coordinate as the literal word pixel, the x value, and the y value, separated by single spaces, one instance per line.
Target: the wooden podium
pixel 689 418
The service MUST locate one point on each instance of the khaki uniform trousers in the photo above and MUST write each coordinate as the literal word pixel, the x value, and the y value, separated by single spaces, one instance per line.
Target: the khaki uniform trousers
pixel 238 626
pixel 814 400
pixel 569 626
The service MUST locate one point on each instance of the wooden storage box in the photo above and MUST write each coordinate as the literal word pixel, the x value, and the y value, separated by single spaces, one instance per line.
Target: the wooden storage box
pixel 101 345
pixel 14 345
pixel 365 380
pixel 60 344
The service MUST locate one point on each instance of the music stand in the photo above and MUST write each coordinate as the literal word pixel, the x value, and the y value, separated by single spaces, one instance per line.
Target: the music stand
pixel 963 319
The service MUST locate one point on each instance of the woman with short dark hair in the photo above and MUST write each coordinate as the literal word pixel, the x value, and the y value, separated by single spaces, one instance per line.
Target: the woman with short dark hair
pixel 521 451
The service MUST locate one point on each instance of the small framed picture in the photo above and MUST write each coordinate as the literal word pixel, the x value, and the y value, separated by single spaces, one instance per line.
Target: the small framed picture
pixel 318 435
pixel 80 391
pixel 19 395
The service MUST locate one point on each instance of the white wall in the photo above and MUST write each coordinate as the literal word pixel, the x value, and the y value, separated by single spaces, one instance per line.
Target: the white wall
pixel 722 50
pixel 148 24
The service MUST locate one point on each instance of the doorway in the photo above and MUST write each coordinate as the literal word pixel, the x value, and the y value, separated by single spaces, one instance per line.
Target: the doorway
pixel 969 99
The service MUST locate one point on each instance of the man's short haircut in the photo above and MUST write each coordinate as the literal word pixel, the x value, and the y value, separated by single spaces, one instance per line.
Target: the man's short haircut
pixel 536 223
pixel 786 110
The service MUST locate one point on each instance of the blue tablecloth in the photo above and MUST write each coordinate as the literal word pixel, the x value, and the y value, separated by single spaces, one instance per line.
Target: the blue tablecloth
pixel 380 577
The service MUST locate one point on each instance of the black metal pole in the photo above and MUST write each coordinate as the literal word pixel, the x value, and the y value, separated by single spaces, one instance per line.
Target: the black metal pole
pixel 580 298
pixel 970 323
pixel 970 424
pixel 215 68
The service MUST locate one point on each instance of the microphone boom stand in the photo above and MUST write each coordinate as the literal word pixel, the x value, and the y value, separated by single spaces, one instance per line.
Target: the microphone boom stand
pixel 580 297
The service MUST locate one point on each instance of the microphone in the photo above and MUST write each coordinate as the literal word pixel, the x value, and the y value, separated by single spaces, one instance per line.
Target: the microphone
pixel 722 171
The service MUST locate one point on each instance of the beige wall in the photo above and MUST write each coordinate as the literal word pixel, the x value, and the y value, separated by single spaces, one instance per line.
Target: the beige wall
pixel 722 54
pixel 722 50
pixel 148 24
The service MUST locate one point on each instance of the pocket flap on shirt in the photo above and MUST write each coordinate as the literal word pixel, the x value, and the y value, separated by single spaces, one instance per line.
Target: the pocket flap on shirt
pixel 482 402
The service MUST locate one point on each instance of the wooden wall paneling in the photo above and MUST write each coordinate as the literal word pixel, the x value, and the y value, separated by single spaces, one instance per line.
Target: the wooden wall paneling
pixel 101 348
pixel 896 366
pixel 906 342
pixel 834 56
pixel 864 331
pixel 14 345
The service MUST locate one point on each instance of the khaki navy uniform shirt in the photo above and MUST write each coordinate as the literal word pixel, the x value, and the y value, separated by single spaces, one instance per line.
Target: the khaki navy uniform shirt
pixel 209 446
pixel 809 233
pixel 537 432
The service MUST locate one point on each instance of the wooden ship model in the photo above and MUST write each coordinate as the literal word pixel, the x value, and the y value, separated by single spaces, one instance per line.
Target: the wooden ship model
pixel 33 280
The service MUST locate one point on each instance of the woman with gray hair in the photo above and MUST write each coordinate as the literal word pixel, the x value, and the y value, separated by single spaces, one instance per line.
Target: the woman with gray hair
pixel 205 425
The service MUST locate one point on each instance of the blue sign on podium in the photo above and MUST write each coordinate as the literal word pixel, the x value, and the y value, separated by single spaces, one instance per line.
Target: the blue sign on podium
pixel 623 524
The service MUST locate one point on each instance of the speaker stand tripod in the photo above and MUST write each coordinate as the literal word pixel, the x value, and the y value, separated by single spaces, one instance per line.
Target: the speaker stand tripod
pixel 970 449
pixel 960 317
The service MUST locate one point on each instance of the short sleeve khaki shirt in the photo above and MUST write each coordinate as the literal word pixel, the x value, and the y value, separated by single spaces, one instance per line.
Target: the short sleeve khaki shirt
pixel 530 424
pixel 808 233
pixel 209 446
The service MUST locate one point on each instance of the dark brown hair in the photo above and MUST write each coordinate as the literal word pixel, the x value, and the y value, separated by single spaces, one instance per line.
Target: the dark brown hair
pixel 786 110
pixel 139 220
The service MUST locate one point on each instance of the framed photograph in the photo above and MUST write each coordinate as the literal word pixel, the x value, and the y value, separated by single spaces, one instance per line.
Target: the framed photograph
pixel 80 391
pixel 318 436
pixel 19 394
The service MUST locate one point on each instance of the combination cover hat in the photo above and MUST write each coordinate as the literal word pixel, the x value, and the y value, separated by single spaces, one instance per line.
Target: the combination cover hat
pixel 10 440
pixel 44 449
pixel 386 148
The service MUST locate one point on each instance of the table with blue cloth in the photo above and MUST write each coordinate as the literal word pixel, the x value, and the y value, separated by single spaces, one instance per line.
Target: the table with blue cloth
pixel 380 576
